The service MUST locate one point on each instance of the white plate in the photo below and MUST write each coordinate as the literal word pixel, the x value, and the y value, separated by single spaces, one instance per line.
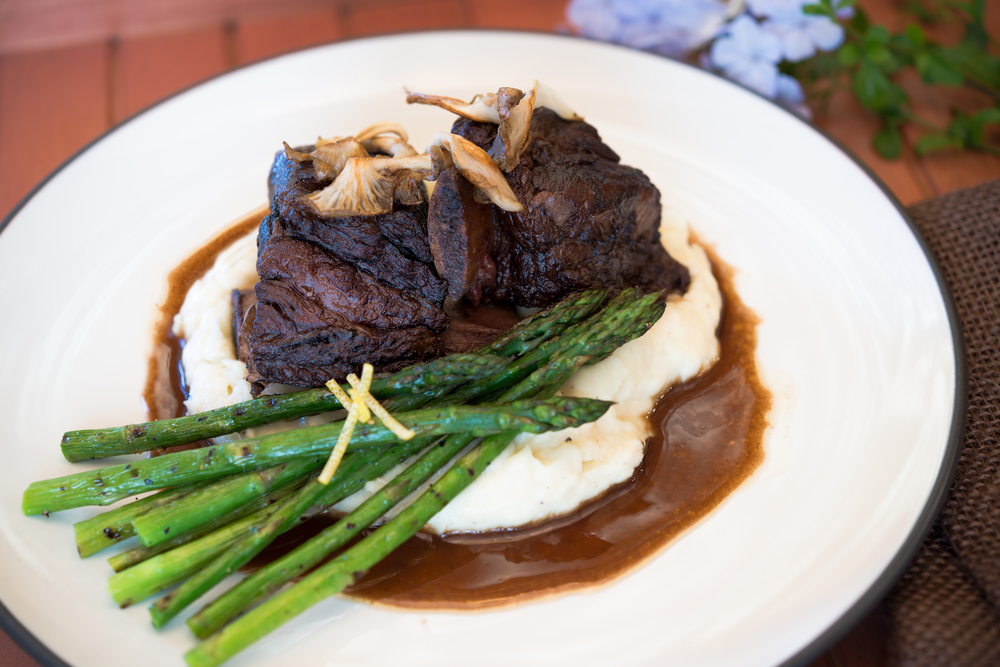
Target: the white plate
pixel 857 343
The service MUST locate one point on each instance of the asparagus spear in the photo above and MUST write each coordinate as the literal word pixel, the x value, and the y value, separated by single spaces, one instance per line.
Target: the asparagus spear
pixel 526 335
pixel 335 576
pixel 153 575
pixel 104 530
pixel 627 307
pixel 343 570
pixel 108 485
pixel 443 373
pixel 201 506
pixel 136 555
pixel 546 324
pixel 284 517
pixel 170 605
pixel 271 577
pixel 138 582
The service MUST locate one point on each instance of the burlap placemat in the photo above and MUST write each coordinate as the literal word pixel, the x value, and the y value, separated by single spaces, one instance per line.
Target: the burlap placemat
pixel 945 610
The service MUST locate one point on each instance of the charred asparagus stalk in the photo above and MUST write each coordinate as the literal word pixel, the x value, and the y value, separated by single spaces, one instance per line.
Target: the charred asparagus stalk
pixel 433 376
pixel 136 583
pixel 271 577
pixel 109 528
pixel 108 485
pixel 285 515
pixel 170 605
pixel 136 555
pixel 599 341
pixel 532 331
pixel 193 509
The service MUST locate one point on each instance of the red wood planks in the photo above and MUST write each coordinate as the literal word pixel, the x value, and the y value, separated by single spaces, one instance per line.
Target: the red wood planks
pixel 51 104
pixel 404 16
pixel 261 36
pixel 522 14
pixel 148 69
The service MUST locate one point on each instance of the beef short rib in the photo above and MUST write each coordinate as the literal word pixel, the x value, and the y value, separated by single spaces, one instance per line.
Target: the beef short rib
pixel 589 221
pixel 334 293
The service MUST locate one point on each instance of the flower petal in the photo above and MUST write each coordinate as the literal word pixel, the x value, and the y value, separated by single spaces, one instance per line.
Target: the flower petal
pixel 824 33
pixel 789 90
pixel 797 46
pixel 761 77
pixel 726 53
pixel 768 47
pixel 744 32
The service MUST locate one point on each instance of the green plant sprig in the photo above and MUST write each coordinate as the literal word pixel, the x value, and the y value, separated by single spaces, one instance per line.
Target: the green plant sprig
pixel 872 60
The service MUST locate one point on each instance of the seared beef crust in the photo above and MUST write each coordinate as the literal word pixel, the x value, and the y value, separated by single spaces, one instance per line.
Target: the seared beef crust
pixel 589 221
pixel 334 293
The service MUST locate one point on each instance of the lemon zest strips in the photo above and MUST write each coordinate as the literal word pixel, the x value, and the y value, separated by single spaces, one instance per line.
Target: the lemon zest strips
pixel 339 394
pixel 364 415
pixel 360 405
pixel 354 413
pixel 383 415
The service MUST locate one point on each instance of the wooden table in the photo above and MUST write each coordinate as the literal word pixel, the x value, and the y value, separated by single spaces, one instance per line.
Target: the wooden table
pixel 70 69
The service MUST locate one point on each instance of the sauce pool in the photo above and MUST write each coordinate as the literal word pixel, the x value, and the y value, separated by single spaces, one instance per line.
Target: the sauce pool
pixel 707 439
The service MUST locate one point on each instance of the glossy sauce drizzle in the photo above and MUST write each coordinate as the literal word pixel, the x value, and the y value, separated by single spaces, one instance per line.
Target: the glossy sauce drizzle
pixel 707 440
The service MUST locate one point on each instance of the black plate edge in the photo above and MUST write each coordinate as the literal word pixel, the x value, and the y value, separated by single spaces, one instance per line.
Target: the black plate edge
pixel 939 492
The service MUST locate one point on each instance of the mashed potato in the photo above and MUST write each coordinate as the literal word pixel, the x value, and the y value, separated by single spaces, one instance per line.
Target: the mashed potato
pixel 538 476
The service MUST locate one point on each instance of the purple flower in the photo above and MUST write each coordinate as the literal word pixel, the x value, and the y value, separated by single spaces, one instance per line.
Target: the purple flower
pixel 749 55
pixel 800 34
pixel 671 27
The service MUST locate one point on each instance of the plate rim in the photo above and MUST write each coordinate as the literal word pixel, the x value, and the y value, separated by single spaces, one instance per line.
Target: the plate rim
pixel 42 654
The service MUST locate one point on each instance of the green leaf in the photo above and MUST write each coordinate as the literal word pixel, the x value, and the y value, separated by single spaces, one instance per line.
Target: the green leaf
pixel 888 142
pixel 848 54
pixel 978 123
pixel 977 8
pixel 815 10
pixel 960 129
pixel 935 68
pixel 881 56
pixel 877 34
pixel 920 11
pixel 874 90
pixel 974 63
pixel 915 35
pixel 935 142
pixel 860 21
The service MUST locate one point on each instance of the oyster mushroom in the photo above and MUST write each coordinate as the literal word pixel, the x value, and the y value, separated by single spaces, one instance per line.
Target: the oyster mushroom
pixel 388 138
pixel 509 108
pixel 329 158
pixel 368 185
pixel 330 155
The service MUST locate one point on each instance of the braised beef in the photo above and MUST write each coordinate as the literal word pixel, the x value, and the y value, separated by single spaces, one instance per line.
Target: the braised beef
pixel 461 236
pixel 336 292
pixel 244 310
pixel 589 221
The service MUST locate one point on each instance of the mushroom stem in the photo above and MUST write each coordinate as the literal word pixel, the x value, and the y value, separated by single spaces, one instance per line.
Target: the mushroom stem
pixel 510 109
pixel 366 185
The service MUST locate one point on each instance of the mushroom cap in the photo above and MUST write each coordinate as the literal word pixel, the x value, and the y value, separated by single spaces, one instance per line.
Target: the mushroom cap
pixel 369 185
pixel 510 109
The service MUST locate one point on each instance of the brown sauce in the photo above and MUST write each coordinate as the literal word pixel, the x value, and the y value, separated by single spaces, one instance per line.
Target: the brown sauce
pixel 707 440
pixel 165 388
